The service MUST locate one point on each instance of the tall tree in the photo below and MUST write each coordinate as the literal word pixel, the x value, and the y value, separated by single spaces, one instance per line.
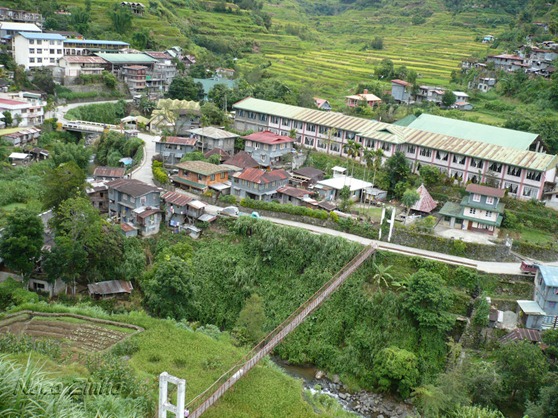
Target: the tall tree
pixel 409 198
pixel 185 88
pixel 63 182
pixel 352 149
pixel 252 318
pixel 396 369
pixel 8 118
pixel 398 170
pixel 168 289
pixel 121 18
pixel 448 98
pixel 21 241
pixel 429 300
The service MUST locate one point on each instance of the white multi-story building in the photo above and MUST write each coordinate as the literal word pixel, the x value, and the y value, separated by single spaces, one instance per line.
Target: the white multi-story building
pixel 28 113
pixel 9 29
pixel 34 50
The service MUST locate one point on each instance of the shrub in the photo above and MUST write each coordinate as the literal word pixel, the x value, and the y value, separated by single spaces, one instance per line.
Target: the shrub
pixel 228 199
pixel 13 293
pixel 291 209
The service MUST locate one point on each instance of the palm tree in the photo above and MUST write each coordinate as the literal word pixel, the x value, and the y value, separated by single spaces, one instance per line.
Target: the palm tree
pixel 352 149
pixel 382 276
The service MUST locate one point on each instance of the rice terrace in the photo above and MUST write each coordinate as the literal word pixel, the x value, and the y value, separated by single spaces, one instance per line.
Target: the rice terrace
pixel 76 333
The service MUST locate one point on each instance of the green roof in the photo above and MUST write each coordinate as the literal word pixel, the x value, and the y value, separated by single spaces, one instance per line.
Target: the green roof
pixel 475 131
pixel 477 205
pixel 454 210
pixel 209 83
pixel 406 121
pixel 189 183
pixel 125 59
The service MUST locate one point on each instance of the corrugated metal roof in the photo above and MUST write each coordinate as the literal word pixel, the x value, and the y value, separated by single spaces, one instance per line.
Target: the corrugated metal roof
pixel 212 132
pixel 242 160
pixel 43 36
pixel 255 175
pixel 549 275
pixel 530 307
pixel 132 187
pixel 268 137
pixel 520 334
pixel 474 131
pixel 485 190
pixel 179 140
pixel 293 191
pixel 17 26
pixel 95 41
pixel 109 171
pixel 84 59
pixel 126 58
pixel 399 134
pixel 110 287
pixel 202 167
pixel 178 199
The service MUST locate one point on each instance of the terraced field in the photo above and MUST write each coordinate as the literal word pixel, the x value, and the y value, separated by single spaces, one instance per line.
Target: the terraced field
pixel 82 335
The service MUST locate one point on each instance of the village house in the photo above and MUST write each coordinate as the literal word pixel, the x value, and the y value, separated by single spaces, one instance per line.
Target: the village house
pixel 164 71
pixel 483 84
pixel 22 137
pixel 135 203
pixel 32 49
pixel 329 189
pixel 97 192
pixel 135 8
pixel 306 176
pixel 181 209
pixel 369 99
pixel 12 15
pixel 268 148
pixel 75 65
pixel 542 312
pixel 201 176
pixel 39 154
pixel 108 173
pixel 401 91
pixel 23 113
pixel 242 160
pixel 258 184
pixel 210 137
pixel 519 165
pixel 322 104
pixel 110 288
pixel 480 211
pixel 9 29
pixel 295 196
pixel 507 62
pixel 173 148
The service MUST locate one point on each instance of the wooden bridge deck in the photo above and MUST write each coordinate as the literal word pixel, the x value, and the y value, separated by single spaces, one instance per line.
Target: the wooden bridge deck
pixel 205 400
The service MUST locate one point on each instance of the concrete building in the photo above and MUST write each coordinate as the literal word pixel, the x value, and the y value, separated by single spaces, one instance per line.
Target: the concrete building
pixel 401 91
pixel 173 148
pixel 504 163
pixel 33 50
pixel 92 46
pixel 258 184
pixel 210 137
pixel 135 77
pixel 542 312
pixel 76 65
pixel 9 29
pixel 268 148
pixel 369 99
pixel 29 114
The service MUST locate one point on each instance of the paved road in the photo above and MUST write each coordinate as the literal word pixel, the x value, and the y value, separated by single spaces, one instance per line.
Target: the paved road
pixel 143 172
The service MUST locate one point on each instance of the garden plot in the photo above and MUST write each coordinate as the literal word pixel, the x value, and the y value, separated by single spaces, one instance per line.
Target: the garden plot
pixel 79 334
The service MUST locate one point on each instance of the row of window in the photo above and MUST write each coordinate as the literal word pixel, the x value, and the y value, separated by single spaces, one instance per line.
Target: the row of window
pixel 40 60
pixel 40 42
pixel 487 214
pixel 46 51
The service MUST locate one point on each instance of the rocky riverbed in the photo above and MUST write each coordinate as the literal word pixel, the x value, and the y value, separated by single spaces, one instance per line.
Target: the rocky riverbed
pixel 362 403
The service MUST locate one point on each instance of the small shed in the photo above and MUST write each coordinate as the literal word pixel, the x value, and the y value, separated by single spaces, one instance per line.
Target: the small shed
pixel 110 288
pixel 522 334
pixel 425 204
pixel 19 158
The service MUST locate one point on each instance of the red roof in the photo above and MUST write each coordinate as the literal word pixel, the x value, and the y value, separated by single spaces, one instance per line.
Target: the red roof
pixel 178 199
pixel 109 172
pixel 84 59
pixel 158 55
pixel 485 190
pixel 255 175
pixel 148 212
pixel 519 334
pixel 401 82
pixel 180 140
pixel 267 137
pixel 425 203
pixel 127 227
pixel 11 102
pixel 217 151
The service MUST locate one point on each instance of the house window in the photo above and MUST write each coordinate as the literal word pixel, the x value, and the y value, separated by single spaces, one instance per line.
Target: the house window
pixel 511 187
pixel 31 50
pixel 441 155
pixel 31 60
pixel 308 141
pixel 321 144
pixel 476 197
pixel 411 149
pixel 39 60
pixel 52 42
pixel 285 122
pixel 472 211
pixel 298 125
pixel 514 171
pixel 495 167
pixel 533 175
pixel 425 152
pixel 39 42
pixel 212 177
pixel 386 146
pixel 275 120
pixel 311 127
pixel 334 147
pixel 31 41
pixel 240 112
pixel 369 143
pixel 488 214
pixel 52 60
pixel 350 135
pixel 338 133
pixel 263 117
pixel 39 51
pixel 251 115
pixel 489 200
pixel 59 51
pixel 200 177
pixel 459 159
pixel 476 163
pixel 529 191
pixel 222 175
pixel 51 51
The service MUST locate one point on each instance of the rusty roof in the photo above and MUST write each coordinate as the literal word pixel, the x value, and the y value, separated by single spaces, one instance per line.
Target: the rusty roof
pixel 178 199
pixel 485 190
pixel 242 160
pixel 110 287
pixel 293 191
pixel 103 171
pixel 309 172
pixel 132 187
pixel 202 167
pixel 127 227
pixel 148 212
pixel 160 55
pixel 180 140
pixel 401 82
pixel 84 59
pixel 519 334
pixel 217 151
pixel 255 175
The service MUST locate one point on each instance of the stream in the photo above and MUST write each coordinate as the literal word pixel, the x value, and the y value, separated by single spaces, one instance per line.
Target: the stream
pixel 362 403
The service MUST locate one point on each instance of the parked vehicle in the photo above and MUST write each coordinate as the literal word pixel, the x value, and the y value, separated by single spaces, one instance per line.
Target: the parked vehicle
pixel 528 267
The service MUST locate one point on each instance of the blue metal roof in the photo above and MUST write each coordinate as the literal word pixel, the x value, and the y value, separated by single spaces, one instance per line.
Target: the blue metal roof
pixel 96 41
pixel 43 36
pixel 549 275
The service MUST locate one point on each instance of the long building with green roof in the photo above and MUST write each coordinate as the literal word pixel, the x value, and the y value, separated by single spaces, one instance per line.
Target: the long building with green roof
pixel 487 158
